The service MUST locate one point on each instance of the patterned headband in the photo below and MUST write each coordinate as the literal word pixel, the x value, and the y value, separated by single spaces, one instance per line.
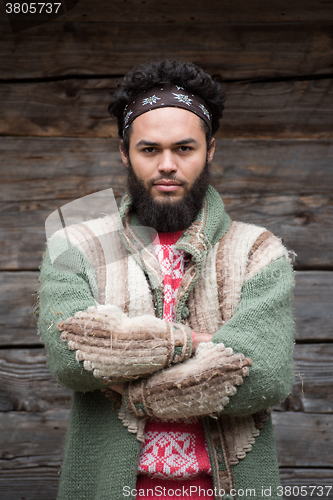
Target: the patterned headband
pixel 166 96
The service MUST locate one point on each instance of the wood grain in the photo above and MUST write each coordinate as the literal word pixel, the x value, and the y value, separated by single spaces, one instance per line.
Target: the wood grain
pixel 301 221
pixel 27 383
pixel 235 51
pixel 313 306
pixel 312 390
pixel 273 167
pixel 30 483
pixel 307 477
pixel 278 110
pixel 196 12
pixel 303 439
pixel 32 439
pixel 18 325
pixel 59 168
pixel 78 108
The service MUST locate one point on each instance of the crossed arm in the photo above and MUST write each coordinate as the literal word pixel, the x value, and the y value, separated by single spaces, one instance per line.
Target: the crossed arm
pixel 197 338
pixel 114 346
pixel 173 378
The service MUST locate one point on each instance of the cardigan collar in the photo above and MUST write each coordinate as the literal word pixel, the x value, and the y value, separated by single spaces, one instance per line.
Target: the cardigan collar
pixel 211 223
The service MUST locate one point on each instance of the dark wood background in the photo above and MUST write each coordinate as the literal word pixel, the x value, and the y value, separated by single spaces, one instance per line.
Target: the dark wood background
pixel 273 167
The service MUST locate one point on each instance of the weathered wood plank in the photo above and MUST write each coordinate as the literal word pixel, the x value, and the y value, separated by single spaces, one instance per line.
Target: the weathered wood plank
pixel 17 297
pixel 303 439
pixel 72 108
pixel 313 305
pixel 196 12
pixel 28 483
pixel 26 384
pixel 307 477
pixel 32 439
pixel 301 221
pixel 312 390
pixel 238 51
pixel 40 169
pixel 76 166
pixel 269 166
pixel 300 109
pixel 78 108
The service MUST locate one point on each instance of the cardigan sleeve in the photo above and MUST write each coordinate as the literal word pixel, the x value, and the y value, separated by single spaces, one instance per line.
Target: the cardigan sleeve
pixel 253 350
pixel 98 345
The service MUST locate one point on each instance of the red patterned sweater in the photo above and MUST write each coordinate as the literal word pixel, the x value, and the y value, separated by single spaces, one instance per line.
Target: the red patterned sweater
pixel 173 448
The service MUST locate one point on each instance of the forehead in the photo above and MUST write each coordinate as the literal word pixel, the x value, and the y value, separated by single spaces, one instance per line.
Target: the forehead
pixel 167 124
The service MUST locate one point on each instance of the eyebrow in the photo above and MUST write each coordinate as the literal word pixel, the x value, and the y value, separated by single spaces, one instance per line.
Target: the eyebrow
pixel 188 140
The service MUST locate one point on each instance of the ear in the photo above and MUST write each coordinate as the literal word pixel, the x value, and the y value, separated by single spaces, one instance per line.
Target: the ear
pixel 211 150
pixel 124 155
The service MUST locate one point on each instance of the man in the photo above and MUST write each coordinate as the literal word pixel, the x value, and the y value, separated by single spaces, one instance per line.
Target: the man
pixel 177 349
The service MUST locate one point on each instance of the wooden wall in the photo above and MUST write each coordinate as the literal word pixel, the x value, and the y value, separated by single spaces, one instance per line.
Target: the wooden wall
pixel 273 167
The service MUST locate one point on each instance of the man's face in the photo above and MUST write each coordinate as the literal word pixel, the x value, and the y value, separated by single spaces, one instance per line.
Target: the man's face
pixel 168 167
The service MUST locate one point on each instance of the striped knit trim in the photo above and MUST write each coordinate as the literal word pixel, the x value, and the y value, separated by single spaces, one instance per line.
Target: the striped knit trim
pixel 84 239
pixel 266 249
pixel 223 478
pixel 234 437
pixel 231 264
pixel 116 290
pixel 140 296
pixel 98 241
pixel 194 240
pixel 203 302
pixel 98 261
pixel 242 252
pixel 134 425
pixel 239 434
pixel 195 243
pixel 145 257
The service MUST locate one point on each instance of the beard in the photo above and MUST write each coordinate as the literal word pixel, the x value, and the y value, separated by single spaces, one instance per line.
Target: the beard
pixel 167 216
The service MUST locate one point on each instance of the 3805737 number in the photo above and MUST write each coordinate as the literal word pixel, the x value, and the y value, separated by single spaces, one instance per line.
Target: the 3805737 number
pixel 302 491
pixel 32 8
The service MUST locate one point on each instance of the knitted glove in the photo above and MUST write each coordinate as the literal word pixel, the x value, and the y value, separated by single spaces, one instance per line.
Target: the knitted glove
pixel 199 386
pixel 116 347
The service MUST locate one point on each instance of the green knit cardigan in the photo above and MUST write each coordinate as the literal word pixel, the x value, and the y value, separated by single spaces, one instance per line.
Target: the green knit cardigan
pixel 100 455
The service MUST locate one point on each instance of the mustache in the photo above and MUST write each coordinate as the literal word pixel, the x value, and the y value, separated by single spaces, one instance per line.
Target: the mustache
pixel 166 177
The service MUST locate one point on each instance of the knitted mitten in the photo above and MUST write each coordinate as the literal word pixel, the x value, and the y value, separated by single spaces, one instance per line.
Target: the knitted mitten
pixel 199 386
pixel 117 347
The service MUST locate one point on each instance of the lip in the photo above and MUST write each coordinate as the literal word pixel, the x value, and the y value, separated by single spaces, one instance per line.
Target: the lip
pixel 165 185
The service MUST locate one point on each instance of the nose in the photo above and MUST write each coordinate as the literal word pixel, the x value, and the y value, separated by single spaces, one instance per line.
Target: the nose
pixel 167 163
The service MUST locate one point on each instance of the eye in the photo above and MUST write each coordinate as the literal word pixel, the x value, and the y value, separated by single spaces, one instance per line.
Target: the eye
pixel 149 149
pixel 184 149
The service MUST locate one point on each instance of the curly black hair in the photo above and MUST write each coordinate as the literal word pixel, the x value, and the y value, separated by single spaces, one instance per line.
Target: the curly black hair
pixel 153 73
